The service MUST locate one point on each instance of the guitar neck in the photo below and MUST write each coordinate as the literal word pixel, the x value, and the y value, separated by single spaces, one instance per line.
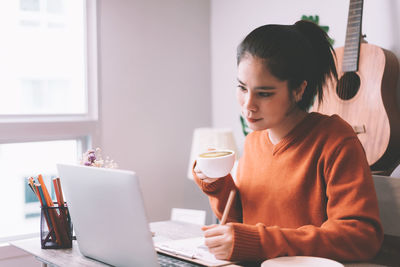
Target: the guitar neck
pixel 353 34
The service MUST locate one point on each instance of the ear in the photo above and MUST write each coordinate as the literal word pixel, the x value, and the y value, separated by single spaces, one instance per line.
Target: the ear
pixel 299 91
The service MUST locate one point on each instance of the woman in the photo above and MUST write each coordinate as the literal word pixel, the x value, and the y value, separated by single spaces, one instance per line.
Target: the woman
pixel 303 183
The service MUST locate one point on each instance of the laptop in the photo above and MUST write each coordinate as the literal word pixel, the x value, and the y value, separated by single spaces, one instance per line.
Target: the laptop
pixel 108 216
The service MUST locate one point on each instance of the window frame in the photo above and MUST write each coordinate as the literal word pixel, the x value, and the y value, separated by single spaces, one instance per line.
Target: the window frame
pixel 85 128
pixel 14 128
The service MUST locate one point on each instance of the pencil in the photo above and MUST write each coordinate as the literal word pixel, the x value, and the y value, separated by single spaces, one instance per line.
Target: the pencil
pixel 228 206
pixel 31 184
pixel 44 206
pixel 63 216
pixel 57 191
pixel 46 194
pixel 52 213
pixel 58 182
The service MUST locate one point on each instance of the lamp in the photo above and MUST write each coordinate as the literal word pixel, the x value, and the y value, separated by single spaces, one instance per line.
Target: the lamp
pixel 205 138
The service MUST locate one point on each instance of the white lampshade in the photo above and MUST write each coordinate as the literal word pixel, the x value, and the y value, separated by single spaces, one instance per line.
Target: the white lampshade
pixel 205 138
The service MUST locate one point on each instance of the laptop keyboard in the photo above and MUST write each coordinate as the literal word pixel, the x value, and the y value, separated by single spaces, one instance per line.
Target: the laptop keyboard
pixel 168 261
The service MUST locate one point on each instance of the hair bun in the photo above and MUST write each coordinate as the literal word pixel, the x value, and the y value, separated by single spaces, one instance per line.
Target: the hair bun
pixel 322 48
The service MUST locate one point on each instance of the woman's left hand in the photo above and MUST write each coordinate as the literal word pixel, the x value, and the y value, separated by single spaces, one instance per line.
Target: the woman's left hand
pixel 219 240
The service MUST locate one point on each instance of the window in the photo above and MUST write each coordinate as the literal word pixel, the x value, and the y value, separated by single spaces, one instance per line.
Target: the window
pixel 44 57
pixel 19 161
pixel 48 99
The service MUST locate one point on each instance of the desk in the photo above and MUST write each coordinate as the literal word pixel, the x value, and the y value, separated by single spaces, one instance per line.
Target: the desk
pixel 73 257
pixel 55 257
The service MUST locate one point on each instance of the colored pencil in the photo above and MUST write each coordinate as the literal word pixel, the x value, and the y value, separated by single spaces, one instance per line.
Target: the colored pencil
pixel 31 184
pixel 44 206
pixel 46 194
pixel 52 212
pixel 63 213
pixel 58 183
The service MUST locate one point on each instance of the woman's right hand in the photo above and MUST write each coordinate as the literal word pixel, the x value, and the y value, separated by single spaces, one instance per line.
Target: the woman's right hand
pixel 202 176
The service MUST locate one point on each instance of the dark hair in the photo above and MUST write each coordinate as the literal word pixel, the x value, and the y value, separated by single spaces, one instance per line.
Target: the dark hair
pixel 294 53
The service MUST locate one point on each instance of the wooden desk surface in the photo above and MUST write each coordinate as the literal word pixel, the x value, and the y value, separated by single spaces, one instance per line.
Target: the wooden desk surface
pixel 73 257
pixel 57 257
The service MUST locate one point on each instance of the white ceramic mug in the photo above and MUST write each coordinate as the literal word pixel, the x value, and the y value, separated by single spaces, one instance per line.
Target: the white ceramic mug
pixel 216 163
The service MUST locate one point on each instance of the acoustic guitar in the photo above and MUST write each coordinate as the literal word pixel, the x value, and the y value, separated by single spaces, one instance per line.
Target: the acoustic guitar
pixel 365 94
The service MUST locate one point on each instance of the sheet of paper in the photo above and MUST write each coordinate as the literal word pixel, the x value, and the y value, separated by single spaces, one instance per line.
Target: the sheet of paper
pixel 191 248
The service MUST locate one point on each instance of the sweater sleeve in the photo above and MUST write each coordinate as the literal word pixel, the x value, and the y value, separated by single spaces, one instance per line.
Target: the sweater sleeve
pixel 218 193
pixel 351 232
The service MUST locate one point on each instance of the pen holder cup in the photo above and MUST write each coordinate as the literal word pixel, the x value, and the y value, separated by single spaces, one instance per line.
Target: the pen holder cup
pixel 55 227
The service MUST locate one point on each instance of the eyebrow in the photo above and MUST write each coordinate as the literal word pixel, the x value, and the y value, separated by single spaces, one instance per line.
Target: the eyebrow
pixel 259 87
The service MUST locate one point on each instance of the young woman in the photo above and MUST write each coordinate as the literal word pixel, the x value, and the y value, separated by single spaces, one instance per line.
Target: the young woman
pixel 303 183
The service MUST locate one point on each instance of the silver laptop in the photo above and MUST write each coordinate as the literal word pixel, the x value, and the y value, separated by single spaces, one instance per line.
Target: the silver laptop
pixel 108 215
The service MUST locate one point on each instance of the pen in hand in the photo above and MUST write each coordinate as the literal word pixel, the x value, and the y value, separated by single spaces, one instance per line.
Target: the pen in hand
pixel 220 230
pixel 228 206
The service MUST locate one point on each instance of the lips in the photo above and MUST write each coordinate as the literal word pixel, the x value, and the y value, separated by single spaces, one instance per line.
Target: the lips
pixel 252 120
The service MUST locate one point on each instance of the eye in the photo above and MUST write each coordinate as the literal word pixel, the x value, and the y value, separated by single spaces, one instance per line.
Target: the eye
pixel 265 94
pixel 242 88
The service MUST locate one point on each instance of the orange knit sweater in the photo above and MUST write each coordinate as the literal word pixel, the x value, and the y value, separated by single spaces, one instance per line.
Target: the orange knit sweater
pixel 310 194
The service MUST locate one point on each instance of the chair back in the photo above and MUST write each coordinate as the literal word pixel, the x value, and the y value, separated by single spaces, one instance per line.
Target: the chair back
pixel 388 193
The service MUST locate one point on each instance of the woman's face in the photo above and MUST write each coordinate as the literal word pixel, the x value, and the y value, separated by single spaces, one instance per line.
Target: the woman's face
pixel 266 102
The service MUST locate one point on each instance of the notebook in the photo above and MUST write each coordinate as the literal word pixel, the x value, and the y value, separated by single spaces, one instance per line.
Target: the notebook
pixel 110 223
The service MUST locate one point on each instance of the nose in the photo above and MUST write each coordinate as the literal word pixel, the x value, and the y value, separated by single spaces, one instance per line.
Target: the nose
pixel 250 103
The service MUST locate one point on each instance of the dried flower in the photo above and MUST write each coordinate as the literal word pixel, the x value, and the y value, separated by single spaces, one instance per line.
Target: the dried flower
pixel 93 157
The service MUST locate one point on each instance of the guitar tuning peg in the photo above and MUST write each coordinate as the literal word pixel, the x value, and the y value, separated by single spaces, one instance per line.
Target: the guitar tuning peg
pixel 364 35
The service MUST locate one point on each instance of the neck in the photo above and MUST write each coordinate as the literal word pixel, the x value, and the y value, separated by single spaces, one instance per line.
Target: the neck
pixel 293 118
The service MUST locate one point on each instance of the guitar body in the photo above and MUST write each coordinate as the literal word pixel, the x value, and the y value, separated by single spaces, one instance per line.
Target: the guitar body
pixel 369 104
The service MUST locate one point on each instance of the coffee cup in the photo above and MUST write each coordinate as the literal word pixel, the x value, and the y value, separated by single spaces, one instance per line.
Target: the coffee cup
pixel 216 163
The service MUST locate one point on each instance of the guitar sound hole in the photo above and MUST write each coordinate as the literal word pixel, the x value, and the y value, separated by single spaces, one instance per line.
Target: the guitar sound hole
pixel 348 85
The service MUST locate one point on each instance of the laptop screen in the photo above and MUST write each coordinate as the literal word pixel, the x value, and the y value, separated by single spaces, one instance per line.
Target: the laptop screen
pixel 108 215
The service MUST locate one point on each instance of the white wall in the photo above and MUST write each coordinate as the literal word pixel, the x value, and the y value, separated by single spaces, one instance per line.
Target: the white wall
pixel 232 20
pixel 155 88
pixel 156 83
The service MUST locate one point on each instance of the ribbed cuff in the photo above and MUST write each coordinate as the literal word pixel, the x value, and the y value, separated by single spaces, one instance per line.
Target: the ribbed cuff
pixel 246 244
